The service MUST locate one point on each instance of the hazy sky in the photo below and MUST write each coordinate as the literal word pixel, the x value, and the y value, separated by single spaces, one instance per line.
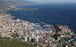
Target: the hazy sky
pixel 54 1
pixel 49 1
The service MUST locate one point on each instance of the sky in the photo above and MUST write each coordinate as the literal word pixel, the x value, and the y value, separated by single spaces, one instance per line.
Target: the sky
pixel 49 1
pixel 54 1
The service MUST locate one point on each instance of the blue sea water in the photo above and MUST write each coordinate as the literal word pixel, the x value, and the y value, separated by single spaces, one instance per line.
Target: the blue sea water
pixel 61 14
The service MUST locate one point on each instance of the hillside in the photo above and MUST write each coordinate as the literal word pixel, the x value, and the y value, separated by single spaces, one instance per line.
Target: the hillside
pixel 23 2
pixel 5 5
pixel 6 42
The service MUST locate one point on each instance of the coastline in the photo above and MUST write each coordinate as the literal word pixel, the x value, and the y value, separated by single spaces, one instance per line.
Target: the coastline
pixel 27 31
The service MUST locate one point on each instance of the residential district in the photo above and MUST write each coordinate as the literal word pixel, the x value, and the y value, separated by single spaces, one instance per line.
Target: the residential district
pixel 42 35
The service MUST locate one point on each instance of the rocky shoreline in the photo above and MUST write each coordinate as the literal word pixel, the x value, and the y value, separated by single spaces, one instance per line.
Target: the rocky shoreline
pixel 42 36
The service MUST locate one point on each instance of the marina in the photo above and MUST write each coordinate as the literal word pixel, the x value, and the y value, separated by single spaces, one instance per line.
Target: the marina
pixel 43 36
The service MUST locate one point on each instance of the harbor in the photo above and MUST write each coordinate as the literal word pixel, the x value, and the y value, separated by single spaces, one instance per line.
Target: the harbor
pixel 42 36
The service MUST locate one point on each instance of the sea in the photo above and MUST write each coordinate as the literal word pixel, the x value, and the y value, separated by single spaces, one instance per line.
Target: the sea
pixel 56 14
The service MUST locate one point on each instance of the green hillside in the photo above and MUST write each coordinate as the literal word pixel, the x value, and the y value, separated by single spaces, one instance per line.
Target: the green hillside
pixel 14 43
